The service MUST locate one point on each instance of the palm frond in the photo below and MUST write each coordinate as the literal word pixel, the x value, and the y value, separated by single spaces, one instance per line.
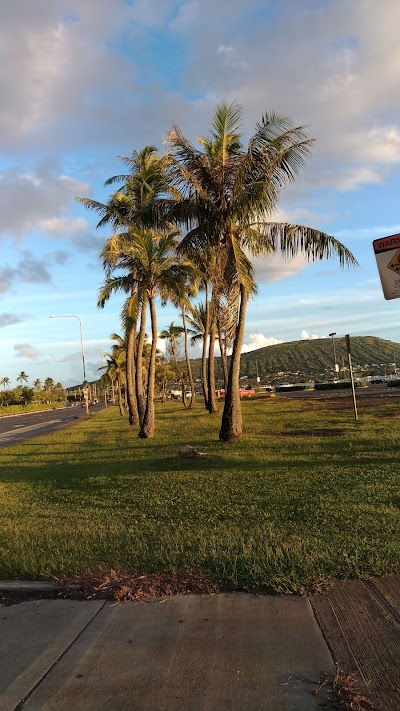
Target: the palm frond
pixel 315 245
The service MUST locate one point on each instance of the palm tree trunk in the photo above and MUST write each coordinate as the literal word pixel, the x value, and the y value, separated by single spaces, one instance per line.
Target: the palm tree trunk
pixel 204 352
pixel 188 366
pixel 222 348
pixel 131 376
pixel 231 425
pixel 212 405
pixel 147 426
pixel 140 396
pixel 164 390
pixel 119 395
pixel 182 379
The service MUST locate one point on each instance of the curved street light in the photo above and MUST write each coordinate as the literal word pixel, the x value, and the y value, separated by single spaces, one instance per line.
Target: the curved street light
pixel 83 356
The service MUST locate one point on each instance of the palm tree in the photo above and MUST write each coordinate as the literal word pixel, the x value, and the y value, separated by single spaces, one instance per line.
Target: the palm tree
pixel 22 377
pixel 163 375
pixel 145 181
pixel 225 318
pixel 115 368
pixel 197 319
pixel 180 296
pixel 156 269
pixel 173 334
pixel 37 384
pixel 5 382
pixel 227 196
pixel 48 385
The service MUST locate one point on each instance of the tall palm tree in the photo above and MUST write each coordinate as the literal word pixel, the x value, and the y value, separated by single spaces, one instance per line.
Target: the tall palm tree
pixel 182 292
pixel 156 268
pixel 115 367
pixel 173 334
pixel 199 322
pixel 228 194
pixel 22 377
pixel 5 382
pixel 49 385
pixel 164 373
pixel 145 181
pixel 225 318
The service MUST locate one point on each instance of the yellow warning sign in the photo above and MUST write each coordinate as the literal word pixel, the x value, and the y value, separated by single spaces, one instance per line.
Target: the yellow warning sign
pixel 394 263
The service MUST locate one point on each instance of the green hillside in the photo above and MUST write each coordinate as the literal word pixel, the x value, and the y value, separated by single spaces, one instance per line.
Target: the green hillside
pixel 314 359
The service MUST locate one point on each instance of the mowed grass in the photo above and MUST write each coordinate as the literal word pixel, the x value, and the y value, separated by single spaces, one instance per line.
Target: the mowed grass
pixel 306 494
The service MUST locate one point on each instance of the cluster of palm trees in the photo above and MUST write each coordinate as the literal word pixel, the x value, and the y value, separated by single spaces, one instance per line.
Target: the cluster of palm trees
pixel 190 221
pixel 48 386
pixel 22 377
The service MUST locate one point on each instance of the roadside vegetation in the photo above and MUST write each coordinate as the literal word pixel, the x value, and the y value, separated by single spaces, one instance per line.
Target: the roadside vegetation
pixel 190 221
pixel 31 407
pixel 26 399
pixel 306 494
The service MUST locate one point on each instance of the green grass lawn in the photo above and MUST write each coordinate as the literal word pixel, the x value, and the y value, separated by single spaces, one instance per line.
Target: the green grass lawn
pixel 307 493
pixel 6 410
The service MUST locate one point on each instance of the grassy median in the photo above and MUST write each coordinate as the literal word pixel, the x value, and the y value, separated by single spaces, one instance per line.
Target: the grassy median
pixel 306 494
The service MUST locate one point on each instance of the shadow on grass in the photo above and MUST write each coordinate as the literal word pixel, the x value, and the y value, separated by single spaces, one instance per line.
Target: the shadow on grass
pixel 86 475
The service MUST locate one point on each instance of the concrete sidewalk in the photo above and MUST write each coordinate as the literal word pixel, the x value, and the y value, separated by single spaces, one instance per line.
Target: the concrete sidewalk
pixel 235 651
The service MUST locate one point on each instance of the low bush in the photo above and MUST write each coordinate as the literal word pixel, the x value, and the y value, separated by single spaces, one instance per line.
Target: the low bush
pixel 393 383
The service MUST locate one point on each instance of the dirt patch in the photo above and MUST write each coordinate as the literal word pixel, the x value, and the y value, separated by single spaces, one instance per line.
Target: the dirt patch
pixel 363 402
pixel 114 585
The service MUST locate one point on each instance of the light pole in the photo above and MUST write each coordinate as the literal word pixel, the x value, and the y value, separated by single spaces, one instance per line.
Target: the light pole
pixel 332 335
pixel 83 358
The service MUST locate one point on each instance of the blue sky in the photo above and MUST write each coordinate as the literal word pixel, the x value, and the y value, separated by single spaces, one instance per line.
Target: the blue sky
pixel 82 82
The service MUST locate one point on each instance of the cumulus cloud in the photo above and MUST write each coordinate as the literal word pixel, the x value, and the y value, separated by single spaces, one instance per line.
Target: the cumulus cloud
pixel 29 270
pixel 258 340
pixel 305 336
pixel 69 82
pixel 33 200
pixel 25 350
pixel 11 319
pixel 276 267
pixel 62 226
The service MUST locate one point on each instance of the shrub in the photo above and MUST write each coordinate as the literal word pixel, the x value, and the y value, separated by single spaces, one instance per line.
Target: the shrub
pixel 393 383
pixel 290 388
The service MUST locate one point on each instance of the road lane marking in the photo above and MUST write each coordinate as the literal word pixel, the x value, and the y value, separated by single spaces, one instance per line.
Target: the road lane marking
pixel 29 428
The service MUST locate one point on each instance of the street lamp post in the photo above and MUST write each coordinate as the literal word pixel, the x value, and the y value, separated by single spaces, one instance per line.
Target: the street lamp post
pixel 332 335
pixel 83 359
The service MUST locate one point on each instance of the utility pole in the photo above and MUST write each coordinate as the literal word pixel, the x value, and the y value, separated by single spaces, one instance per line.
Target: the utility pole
pixel 348 346
pixel 332 335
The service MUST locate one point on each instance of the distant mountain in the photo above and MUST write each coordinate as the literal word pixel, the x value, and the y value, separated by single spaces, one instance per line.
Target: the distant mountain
pixel 300 360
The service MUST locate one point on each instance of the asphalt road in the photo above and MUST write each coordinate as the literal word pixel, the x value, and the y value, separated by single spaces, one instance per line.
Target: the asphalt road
pixel 16 428
pixel 376 391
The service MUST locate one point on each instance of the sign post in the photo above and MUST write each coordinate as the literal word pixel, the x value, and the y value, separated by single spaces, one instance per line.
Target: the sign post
pixel 387 254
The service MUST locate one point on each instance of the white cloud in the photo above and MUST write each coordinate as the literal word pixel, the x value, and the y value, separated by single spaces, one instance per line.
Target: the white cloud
pixel 276 267
pixel 30 201
pixel 356 177
pixel 61 226
pixel 305 336
pixel 7 319
pixel 258 340
pixel 25 350
pixel 373 232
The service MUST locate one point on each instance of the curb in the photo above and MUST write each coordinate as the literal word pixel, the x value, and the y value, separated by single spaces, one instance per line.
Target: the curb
pixel 33 586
